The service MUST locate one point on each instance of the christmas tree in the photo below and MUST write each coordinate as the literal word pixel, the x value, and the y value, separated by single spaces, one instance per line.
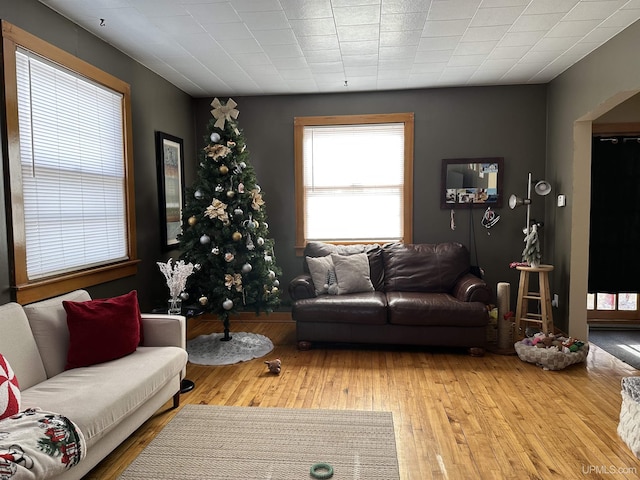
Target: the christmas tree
pixel 224 227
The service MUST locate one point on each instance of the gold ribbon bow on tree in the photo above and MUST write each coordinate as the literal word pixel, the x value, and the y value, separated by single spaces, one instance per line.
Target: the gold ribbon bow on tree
pixel 233 280
pixel 256 199
pixel 223 113
pixel 218 210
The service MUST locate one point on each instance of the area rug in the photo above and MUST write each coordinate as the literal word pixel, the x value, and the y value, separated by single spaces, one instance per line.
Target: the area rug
pixel 247 443
pixel 623 343
pixel 209 350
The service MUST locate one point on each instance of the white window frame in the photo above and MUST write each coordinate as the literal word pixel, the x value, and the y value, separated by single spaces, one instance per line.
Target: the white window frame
pixel 124 264
pixel 406 215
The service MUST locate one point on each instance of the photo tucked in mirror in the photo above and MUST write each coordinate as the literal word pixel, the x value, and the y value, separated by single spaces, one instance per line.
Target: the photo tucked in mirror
pixel 474 182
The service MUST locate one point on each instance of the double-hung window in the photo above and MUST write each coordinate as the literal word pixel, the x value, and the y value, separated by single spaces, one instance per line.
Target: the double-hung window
pixel 354 181
pixel 70 178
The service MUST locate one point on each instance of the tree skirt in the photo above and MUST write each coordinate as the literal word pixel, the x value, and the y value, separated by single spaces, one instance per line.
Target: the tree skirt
pixel 209 350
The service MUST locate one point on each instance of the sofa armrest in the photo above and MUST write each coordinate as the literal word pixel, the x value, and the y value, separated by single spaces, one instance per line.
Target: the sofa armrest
pixel 160 330
pixel 301 287
pixel 470 288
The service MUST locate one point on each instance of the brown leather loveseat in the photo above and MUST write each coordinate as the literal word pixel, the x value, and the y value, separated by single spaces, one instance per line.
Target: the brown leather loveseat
pixel 413 294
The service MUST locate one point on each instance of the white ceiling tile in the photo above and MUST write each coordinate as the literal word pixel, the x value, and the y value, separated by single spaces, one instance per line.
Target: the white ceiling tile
pixel 252 59
pixel 395 39
pixel 621 19
pixel 276 37
pixel 265 20
pixel 398 22
pixel 158 8
pixel 504 3
pixel 183 24
pixel 483 34
pixel 547 44
pixel 550 6
pixel 296 74
pixel 515 39
pixel 572 28
pixel 361 15
pixel 361 71
pixel 510 52
pixel 318 26
pixel 536 23
pixel 282 51
pixel 288 63
pixel 255 5
pixel 433 56
pixel 407 52
pixel 496 16
pixel 444 28
pixel 228 31
pixel 318 42
pixel 438 43
pixel 355 33
pixel 533 56
pixel 217 47
pixel 359 48
pixel 305 9
pixel 395 73
pixel 354 3
pixel 327 67
pixel 248 45
pixel 213 12
pixel 330 78
pixel 465 60
pixel 322 56
pixel 453 10
pixel 593 10
pixel 360 60
pixel 475 48
pixel 600 35
pixel 405 6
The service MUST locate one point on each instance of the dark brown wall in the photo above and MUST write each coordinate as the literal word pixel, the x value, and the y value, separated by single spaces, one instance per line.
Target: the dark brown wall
pixel 505 121
pixel 156 105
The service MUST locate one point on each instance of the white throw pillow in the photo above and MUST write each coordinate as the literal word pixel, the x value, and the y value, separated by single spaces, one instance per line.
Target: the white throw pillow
pixel 319 267
pixel 352 273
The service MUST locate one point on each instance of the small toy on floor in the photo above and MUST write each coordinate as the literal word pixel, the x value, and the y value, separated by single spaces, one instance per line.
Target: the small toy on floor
pixel 274 366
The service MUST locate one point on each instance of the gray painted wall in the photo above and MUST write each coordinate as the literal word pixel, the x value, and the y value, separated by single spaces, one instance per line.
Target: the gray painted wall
pixel 156 105
pixel 581 95
pixel 507 122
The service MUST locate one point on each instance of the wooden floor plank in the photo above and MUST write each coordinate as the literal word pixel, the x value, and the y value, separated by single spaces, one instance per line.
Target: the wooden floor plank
pixel 455 416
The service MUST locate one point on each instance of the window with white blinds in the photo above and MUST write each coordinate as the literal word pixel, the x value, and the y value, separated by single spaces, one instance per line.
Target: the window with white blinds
pixel 356 180
pixel 72 163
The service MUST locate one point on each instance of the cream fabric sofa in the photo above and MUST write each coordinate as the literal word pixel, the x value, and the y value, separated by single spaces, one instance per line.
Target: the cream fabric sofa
pixel 108 401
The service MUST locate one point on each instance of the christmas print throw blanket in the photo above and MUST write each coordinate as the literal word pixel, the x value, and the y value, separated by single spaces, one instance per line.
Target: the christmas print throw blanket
pixel 36 444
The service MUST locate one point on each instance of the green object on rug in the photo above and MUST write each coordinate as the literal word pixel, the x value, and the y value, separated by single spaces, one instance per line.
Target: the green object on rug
pixel 623 344
pixel 247 443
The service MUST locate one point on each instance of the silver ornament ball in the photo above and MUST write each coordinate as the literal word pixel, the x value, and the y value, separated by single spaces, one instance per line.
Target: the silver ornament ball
pixel 227 304
pixel 215 137
pixel 204 239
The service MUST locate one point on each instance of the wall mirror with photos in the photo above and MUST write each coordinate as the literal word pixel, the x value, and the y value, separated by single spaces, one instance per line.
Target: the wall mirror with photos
pixel 473 182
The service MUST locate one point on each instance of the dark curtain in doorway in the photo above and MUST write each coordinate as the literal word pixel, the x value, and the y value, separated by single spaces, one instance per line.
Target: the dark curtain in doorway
pixel 614 244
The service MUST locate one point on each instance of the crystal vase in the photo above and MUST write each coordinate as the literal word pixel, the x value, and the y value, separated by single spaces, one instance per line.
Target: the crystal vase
pixel 174 306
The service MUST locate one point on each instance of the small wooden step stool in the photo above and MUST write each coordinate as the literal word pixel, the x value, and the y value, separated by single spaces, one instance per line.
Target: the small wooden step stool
pixel 545 318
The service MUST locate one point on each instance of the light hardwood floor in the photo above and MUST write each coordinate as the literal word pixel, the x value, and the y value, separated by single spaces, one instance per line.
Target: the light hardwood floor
pixel 455 416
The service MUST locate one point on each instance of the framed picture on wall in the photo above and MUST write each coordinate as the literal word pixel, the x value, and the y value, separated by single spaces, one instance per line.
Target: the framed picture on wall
pixel 169 159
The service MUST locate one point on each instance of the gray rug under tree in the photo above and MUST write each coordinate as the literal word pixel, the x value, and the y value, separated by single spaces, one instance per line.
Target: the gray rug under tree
pixel 210 350
pixel 247 443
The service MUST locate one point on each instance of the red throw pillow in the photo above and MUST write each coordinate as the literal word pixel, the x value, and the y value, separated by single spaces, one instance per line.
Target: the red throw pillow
pixel 102 330
pixel 9 390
